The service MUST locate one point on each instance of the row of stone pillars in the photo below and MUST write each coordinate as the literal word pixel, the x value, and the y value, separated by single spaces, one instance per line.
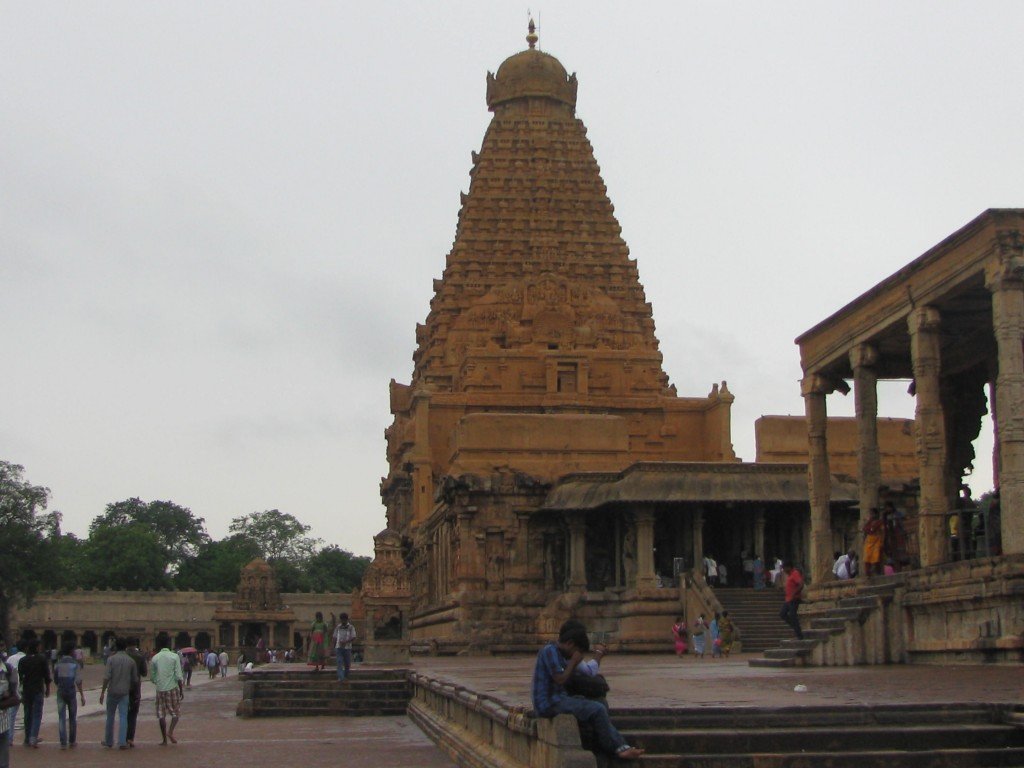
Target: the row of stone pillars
pixel 925 328
pixel 646 576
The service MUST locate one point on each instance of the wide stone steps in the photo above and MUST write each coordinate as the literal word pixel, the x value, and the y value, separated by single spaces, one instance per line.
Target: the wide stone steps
pixel 296 694
pixel 840 737
pixel 755 612
pixel 817 628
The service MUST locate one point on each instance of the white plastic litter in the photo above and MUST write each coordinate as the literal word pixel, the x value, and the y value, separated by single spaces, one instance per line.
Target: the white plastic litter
pixel 800 688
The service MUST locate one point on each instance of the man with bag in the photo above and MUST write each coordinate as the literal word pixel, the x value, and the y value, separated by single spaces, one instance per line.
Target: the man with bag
pixel 556 663
pixel 68 677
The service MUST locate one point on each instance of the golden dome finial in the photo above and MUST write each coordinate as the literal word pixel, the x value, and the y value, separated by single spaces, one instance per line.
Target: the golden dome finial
pixel 532 37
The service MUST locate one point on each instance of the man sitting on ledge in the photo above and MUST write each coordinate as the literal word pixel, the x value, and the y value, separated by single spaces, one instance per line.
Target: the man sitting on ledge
pixel 555 665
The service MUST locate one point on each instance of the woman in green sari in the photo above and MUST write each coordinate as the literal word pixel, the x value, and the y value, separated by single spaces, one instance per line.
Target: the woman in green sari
pixel 317 643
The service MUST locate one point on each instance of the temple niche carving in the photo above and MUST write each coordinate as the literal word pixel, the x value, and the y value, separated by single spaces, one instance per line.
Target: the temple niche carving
pixel 257 589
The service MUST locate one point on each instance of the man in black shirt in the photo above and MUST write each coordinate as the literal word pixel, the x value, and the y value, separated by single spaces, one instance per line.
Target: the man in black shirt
pixel 34 671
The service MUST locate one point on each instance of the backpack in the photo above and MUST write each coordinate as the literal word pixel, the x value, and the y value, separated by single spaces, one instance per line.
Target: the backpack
pixel 65 673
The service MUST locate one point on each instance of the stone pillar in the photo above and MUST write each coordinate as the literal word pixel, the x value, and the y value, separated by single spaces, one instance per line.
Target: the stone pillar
pixel 645 576
pixel 698 544
pixel 1007 288
pixel 234 632
pixel 930 435
pixel 819 478
pixel 577 551
pixel 759 535
pixel 863 359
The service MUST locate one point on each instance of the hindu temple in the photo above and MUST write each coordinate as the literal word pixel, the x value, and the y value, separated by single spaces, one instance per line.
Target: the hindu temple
pixel 540 460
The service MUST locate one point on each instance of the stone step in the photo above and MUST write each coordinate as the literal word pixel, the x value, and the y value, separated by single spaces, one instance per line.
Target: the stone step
pixel 290 711
pixel 958 758
pixel 830 740
pixel 809 717
pixel 765 662
pixel 785 653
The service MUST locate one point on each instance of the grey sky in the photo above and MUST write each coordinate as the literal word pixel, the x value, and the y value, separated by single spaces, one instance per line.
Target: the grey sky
pixel 219 222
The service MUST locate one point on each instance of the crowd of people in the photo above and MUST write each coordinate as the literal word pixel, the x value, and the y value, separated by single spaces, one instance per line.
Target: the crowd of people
pixel 28 676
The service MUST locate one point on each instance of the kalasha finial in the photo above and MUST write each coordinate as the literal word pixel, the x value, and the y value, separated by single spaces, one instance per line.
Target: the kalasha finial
pixel 532 37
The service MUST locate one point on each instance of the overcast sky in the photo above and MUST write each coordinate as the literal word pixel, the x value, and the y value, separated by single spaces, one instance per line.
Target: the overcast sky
pixel 219 222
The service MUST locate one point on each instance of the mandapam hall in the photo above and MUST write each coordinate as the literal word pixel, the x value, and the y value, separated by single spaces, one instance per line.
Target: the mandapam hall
pixel 541 463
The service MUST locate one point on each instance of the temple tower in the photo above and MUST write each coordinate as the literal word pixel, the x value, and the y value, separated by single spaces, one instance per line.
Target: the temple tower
pixel 537 359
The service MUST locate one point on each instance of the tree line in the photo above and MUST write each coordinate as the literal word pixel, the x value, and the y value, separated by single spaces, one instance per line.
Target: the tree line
pixel 135 544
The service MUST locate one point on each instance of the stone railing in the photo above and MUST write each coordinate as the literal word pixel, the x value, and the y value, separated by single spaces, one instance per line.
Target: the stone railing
pixel 481 731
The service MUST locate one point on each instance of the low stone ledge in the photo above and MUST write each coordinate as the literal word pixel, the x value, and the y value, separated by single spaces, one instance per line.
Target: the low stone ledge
pixel 477 729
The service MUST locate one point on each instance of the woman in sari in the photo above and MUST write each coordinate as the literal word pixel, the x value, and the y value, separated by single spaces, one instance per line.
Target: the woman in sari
pixel 679 635
pixel 727 631
pixel 317 643
pixel 699 636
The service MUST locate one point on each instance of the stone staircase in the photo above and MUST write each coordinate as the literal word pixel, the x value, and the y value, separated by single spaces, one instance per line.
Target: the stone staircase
pixel 908 736
pixel 373 691
pixel 755 612
pixel 828 636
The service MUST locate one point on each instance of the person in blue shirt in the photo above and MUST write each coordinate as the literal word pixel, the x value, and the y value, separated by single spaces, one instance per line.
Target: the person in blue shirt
pixel 555 665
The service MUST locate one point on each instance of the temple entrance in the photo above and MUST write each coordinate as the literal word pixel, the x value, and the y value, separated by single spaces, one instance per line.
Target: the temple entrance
pixel 89 641
pixel 728 532
pixel 203 640
pixel 182 640
pixel 604 556
pixel 253 631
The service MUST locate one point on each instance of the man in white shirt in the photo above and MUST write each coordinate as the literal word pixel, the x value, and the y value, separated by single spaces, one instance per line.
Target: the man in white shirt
pixel 344 634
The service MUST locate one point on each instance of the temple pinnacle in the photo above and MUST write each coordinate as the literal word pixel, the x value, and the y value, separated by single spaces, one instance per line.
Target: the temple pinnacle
pixel 532 37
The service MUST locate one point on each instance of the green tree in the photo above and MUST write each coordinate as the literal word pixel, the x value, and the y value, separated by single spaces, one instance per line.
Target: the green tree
pixel 217 566
pixel 280 536
pixel 125 557
pixel 64 554
pixel 23 526
pixel 179 532
pixel 333 569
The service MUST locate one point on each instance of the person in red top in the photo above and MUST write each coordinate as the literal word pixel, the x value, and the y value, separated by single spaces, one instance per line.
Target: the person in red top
pixel 794 592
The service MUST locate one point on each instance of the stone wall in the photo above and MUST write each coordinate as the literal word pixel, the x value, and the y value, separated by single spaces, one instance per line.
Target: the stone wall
pixel 148 613
pixel 970 612
pixel 481 731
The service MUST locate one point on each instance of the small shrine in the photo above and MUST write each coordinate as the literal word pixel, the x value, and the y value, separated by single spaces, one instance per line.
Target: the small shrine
pixel 257 612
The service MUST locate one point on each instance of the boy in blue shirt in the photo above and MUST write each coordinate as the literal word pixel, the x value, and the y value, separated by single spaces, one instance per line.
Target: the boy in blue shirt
pixel 555 665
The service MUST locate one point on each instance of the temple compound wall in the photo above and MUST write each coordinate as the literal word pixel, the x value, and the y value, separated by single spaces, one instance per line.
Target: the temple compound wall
pixel 541 464
pixel 201 619
pixel 952 323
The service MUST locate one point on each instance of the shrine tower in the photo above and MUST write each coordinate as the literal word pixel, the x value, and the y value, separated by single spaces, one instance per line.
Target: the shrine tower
pixel 538 359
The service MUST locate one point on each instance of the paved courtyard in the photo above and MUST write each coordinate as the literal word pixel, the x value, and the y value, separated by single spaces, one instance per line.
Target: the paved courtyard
pixel 209 730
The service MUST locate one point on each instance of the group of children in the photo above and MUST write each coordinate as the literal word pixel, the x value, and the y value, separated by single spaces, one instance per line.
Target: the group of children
pixel 720 632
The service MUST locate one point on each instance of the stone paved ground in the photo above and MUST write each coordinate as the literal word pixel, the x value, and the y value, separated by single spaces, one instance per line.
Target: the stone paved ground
pixel 210 732
pixel 664 681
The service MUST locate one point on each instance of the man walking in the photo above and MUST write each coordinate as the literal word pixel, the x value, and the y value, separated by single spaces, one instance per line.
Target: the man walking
pixel 555 664
pixel 794 593
pixel 135 697
pixel 165 672
pixel 34 672
pixel 15 685
pixel 223 659
pixel 119 677
pixel 68 679
pixel 344 634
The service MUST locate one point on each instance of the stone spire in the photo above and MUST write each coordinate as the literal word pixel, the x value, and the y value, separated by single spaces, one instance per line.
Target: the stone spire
pixel 538 266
